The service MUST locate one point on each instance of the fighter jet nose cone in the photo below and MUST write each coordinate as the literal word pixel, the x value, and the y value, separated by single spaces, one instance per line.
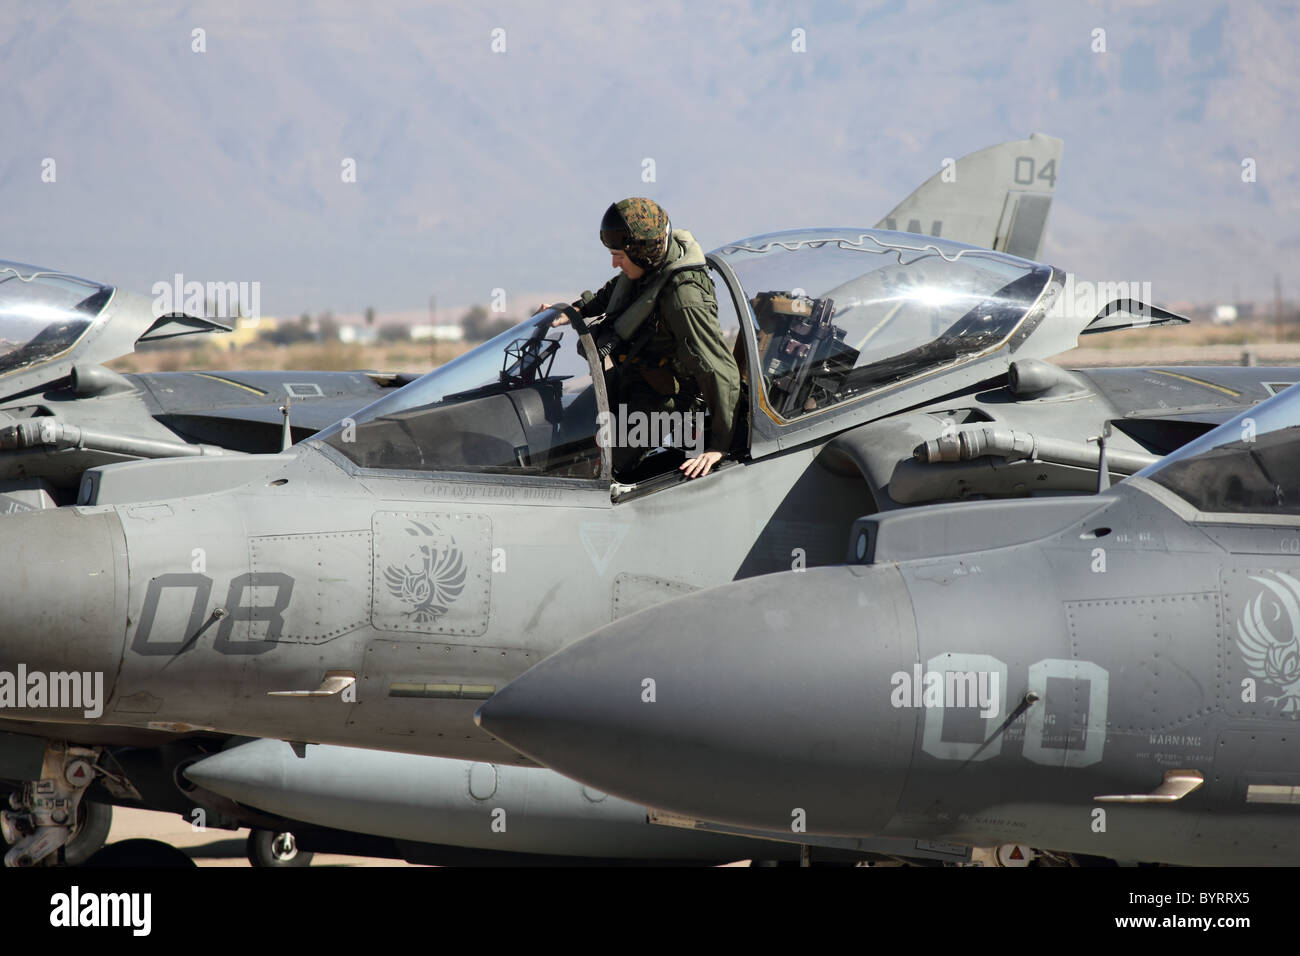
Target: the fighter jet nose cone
pixel 761 703
pixel 539 705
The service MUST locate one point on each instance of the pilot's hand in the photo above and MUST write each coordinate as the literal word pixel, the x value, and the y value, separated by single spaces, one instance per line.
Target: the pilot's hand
pixel 560 319
pixel 701 466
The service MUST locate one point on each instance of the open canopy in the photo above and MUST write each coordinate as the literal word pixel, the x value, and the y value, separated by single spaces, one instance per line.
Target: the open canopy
pixel 44 314
pixel 841 314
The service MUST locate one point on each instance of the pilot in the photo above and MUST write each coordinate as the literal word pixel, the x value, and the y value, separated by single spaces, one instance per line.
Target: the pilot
pixel 660 329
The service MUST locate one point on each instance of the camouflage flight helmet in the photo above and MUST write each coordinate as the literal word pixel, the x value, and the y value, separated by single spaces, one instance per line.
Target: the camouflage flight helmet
pixel 640 228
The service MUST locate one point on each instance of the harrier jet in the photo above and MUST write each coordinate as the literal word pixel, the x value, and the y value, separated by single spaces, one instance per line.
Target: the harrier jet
pixel 1115 675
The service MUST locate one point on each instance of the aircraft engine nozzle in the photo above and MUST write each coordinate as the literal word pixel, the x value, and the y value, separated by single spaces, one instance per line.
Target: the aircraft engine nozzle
pixel 763 703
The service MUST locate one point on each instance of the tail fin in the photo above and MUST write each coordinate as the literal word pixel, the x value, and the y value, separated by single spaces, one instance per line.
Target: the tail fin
pixel 997 197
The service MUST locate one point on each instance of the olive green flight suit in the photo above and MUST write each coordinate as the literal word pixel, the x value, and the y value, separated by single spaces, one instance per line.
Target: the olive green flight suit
pixel 684 355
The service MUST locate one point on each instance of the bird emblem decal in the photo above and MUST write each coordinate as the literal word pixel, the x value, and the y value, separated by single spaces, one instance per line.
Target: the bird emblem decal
pixel 431 578
pixel 1268 637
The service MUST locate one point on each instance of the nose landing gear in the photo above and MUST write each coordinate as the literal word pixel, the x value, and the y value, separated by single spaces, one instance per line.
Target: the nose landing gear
pixel 44 814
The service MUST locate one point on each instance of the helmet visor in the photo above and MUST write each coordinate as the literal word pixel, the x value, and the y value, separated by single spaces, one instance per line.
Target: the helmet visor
pixel 614 232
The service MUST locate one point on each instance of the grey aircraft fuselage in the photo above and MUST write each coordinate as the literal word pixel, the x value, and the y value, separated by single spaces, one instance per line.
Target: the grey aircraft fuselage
pixel 1116 676
pixel 311 539
pixel 415 592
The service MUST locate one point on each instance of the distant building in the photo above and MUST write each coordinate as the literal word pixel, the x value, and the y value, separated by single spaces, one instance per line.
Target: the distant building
pixel 1224 315
pixel 358 335
pixel 246 332
pixel 437 333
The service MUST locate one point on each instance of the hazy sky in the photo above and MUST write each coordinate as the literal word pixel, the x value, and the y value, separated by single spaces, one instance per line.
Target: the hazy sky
pixel 481 168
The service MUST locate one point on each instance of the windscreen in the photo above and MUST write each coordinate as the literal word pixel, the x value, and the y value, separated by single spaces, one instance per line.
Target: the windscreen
pixel 522 403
